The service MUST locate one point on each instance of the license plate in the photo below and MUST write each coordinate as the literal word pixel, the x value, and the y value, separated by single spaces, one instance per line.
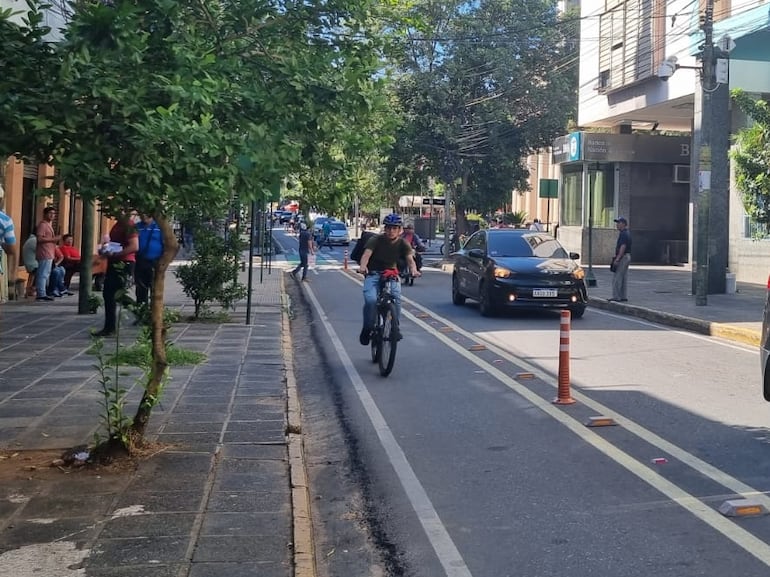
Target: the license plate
pixel 547 293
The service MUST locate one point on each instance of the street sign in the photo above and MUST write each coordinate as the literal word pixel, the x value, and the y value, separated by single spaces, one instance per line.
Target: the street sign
pixel 438 201
pixel 549 188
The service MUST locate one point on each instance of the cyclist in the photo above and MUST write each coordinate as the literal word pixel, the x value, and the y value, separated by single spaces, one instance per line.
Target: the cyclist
pixel 415 242
pixel 383 252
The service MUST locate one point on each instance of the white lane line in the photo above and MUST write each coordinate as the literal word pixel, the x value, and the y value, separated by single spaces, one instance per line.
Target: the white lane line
pixel 689 502
pixel 706 469
pixel 436 532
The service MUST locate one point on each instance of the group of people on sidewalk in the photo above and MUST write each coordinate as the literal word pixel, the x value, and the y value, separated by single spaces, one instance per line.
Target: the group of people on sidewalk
pixel 133 248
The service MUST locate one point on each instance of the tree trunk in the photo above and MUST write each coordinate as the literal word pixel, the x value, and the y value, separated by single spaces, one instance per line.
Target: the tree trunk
pixel 157 373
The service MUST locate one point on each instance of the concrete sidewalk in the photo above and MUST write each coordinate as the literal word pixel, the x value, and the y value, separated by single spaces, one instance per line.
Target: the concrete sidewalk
pixel 217 498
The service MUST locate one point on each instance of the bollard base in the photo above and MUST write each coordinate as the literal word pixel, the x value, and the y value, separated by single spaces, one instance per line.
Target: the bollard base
pixel 567 401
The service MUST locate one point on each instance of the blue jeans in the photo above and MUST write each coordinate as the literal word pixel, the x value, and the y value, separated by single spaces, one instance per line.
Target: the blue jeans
pixel 57 280
pixel 370 298
pixel 43 272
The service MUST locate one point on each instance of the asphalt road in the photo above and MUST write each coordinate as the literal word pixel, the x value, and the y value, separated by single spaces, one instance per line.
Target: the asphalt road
pixel 460 464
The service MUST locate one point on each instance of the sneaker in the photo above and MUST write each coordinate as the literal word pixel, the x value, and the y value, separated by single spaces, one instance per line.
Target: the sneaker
pixel 45 298
pixel 57 294
pixel 305 280
pixel 365 337
pixel 396 335
pixel 68 293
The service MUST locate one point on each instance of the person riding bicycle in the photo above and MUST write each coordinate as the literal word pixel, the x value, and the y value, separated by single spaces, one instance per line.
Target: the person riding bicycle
pixel 415 242
pixel 383 252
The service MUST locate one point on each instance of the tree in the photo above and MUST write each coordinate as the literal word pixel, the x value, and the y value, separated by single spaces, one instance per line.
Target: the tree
pixel 482 86
pixel 163 106
pixel 752 158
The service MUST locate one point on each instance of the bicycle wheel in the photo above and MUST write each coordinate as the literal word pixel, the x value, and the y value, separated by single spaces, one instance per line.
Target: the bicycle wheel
pixel 389 340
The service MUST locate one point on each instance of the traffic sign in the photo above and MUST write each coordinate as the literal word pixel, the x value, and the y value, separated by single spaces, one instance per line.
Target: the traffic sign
pixel 439 201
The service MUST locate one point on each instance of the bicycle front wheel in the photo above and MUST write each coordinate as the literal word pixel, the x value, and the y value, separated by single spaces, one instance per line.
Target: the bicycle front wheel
pixel 389 339
pixel 376 345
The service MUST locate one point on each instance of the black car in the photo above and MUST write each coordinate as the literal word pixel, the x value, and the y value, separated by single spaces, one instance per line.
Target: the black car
pixel 509 267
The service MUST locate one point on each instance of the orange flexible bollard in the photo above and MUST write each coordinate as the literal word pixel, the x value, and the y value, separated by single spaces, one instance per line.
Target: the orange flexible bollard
pixel 564 397
pixel 345 260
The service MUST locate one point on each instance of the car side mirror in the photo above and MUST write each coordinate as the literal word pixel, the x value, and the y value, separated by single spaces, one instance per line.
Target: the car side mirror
pixel 476 253
pixel 574 256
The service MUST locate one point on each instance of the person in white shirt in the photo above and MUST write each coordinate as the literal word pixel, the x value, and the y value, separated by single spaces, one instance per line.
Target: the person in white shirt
pixel 536 225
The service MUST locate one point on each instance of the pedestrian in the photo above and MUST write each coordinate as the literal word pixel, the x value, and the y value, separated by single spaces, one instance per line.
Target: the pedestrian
pixel 45 252
pixel 621 261
pixel 536 225
pixel 305 248
pixel 150 250
pixel 121 258
pixel 327 234
pixel 7 246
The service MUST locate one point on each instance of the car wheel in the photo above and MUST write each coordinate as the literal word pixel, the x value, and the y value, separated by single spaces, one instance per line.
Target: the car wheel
pixel 486 306
pixel 577 312
pixel 457 297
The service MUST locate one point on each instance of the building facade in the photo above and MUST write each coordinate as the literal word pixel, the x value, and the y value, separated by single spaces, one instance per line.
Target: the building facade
pixel 641 110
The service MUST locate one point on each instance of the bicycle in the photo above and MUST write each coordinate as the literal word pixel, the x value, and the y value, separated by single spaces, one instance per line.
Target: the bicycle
pixel 385 335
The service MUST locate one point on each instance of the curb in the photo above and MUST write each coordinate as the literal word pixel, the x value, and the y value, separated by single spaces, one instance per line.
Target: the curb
pixel 699 326
pixel 302 523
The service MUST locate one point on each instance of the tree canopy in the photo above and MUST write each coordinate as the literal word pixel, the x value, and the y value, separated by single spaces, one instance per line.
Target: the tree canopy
pixel 482 85
pixel 752 158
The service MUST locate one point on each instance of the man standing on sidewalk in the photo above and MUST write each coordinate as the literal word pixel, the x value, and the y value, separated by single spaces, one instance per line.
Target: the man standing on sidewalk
pixel 621 261
pixel 45 252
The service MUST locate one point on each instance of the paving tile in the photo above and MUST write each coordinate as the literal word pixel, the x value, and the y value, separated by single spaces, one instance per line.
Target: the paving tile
pixel 272 523
pixel 241 570
pixel 233 548
pixel 135 551
pixel 152 500
pixel 149 525
pixel 250 501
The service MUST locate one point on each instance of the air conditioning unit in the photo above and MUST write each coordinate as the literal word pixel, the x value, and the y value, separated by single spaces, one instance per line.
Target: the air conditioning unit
pixel 682 173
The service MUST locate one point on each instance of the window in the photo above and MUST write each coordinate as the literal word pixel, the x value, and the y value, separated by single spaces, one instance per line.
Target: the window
pixel 602 181
pixel 572 197
pixel 631 42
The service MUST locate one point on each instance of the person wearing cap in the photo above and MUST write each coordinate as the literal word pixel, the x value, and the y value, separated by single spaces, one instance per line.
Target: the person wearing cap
pixel 621 261
pixel 305 249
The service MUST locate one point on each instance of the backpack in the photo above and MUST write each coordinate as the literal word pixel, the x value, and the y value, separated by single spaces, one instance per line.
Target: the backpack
pixel 358 250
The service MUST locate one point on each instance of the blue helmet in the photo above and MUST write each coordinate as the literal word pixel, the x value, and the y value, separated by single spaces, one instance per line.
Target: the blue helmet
pixel 393 219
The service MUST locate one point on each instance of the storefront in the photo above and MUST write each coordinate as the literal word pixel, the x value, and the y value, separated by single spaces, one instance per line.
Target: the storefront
pixel 642 177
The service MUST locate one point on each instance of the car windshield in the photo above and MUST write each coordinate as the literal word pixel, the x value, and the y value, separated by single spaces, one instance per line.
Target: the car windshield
pixel 338 226
pixel 525 245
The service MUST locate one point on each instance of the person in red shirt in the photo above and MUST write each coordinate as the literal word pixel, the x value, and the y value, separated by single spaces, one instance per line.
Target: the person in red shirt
pixel 121 258
pixel 71 262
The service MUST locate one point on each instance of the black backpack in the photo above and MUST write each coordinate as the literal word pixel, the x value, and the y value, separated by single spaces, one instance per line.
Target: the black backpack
pixel 358 250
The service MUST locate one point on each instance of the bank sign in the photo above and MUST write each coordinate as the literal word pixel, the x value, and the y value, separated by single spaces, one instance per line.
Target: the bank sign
pixel 594 147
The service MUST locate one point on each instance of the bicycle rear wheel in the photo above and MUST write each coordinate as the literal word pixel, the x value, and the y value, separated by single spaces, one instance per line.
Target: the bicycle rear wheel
pixel 388 340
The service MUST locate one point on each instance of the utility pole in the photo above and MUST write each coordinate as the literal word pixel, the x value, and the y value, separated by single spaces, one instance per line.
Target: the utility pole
pixel 703 196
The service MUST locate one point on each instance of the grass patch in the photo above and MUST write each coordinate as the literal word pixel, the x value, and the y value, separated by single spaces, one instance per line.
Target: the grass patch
pixel 208 316
pixel 140 355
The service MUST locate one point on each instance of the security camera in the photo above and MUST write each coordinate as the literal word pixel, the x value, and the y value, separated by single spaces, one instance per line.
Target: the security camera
pixel 667 68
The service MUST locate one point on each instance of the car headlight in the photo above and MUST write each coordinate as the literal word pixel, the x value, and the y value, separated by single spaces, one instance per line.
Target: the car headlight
pixel 500 272
pixel 579 274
